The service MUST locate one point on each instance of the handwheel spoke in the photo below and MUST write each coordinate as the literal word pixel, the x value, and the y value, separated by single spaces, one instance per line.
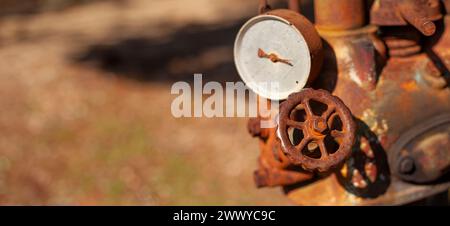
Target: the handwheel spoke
pixel 295 124
pixel 307 108
pixel 302 144
pixel 323 149
pixel 331 119
pixel 337 134
pixel 327 113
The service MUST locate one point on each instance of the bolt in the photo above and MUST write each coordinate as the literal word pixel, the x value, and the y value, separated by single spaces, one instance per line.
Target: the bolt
pixel 428 28
pixel 407 166
pixel 319 125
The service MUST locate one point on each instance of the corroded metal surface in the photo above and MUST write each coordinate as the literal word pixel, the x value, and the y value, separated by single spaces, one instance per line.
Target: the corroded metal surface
pixel 401 41
pixel 275 169
pixel 420 155
pixel 401 101
pixel 339 15
pixel 404 22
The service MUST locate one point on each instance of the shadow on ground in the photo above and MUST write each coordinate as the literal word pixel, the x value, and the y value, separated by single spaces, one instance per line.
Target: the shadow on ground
pixel 206 49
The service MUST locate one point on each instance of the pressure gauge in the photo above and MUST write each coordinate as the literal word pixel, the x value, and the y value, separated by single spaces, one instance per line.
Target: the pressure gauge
pixel 278 53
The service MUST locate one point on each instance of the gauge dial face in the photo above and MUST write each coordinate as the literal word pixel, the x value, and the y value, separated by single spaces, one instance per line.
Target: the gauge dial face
pixel 272 57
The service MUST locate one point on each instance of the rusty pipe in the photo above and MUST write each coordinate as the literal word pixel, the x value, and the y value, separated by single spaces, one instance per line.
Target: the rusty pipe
pixel 339 15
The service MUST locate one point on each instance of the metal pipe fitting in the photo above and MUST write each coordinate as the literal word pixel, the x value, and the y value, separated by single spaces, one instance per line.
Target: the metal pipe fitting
pixel 339 15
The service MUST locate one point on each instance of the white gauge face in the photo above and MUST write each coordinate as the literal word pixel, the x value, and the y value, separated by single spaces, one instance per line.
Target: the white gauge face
pixel 272 57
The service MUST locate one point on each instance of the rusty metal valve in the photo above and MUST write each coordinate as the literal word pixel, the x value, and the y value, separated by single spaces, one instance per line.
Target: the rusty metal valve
pixel 316 129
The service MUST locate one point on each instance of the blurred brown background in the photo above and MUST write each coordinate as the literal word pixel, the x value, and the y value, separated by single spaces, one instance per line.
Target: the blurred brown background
pixel 85 104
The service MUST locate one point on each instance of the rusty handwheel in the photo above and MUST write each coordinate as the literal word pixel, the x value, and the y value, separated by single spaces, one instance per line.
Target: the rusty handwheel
pixel 316 129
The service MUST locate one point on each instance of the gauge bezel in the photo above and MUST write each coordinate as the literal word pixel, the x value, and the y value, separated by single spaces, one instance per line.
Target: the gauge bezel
pixel 306 32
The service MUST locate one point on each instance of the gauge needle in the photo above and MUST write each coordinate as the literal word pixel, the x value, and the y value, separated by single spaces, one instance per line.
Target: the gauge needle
pixel 273 57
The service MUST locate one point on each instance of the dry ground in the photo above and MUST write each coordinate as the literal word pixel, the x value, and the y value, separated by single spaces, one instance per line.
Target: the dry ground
pixel 85 107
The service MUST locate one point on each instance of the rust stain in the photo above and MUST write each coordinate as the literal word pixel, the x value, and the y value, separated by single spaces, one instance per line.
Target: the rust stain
pixel 410 86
